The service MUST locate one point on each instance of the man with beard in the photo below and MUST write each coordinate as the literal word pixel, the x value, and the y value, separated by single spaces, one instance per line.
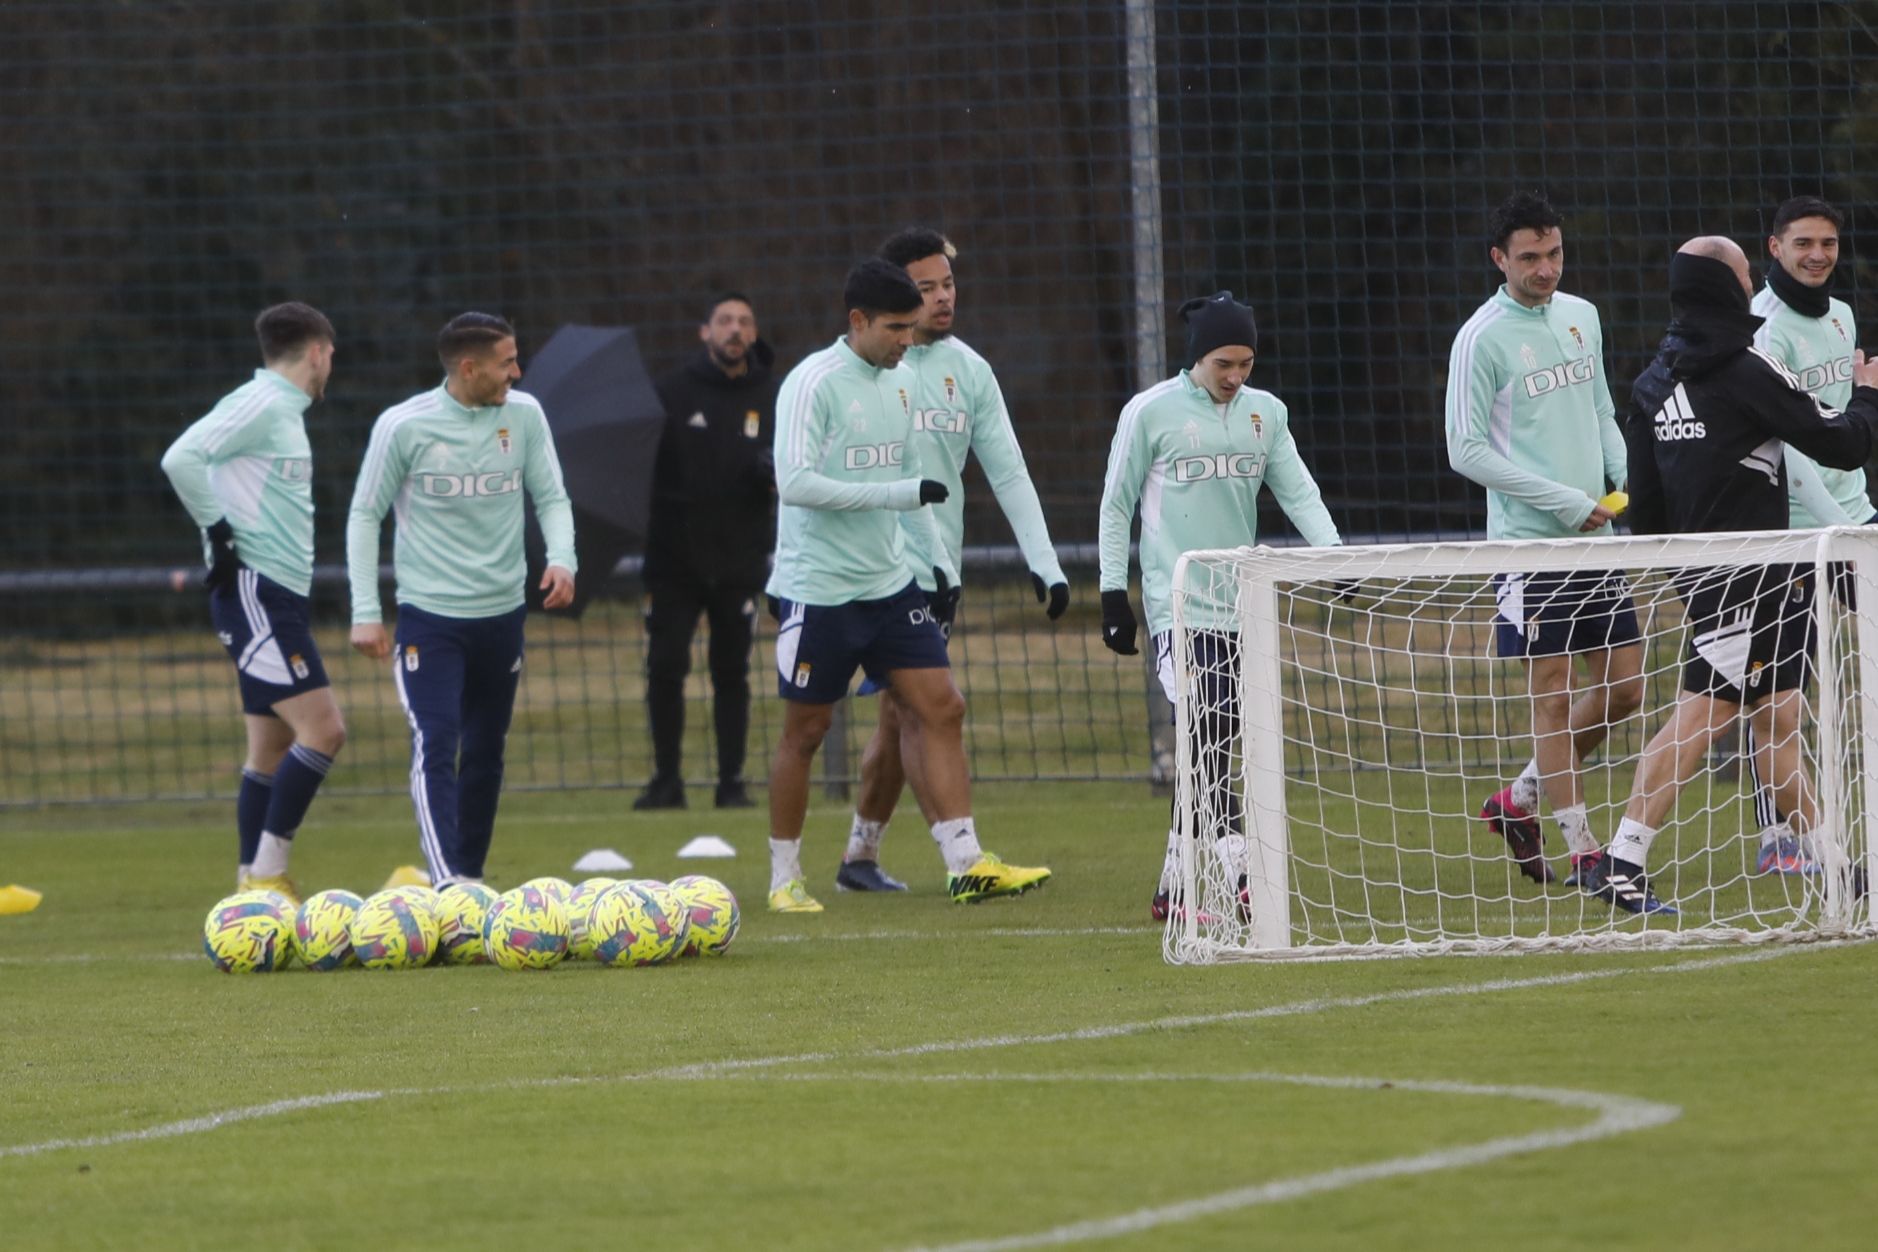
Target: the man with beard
pixel 708 543
pixel 1813 335
pixel 1529 418
pixel 958 412
pixel 1707 424
pixel 245 473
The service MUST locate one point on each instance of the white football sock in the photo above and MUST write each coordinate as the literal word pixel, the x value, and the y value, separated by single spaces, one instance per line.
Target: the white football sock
pixel 864 840
pixel 1632 843
pixel 1778 830
pixel 1576 827
pixel 1526 787
pixel 1170 863
pixel 270 858
pixel 1825 851
pixel 958 843
pixel 785 862
pixel 1232 851
pixel 241 873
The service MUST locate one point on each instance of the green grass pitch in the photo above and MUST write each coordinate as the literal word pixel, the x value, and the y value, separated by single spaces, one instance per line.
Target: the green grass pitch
pixel 895 1073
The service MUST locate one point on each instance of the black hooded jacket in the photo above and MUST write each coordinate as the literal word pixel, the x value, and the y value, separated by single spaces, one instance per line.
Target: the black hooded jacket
pixel 1709 419
pixel 714 490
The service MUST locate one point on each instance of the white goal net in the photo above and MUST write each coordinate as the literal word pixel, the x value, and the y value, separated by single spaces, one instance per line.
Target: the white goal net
pixel 1343 714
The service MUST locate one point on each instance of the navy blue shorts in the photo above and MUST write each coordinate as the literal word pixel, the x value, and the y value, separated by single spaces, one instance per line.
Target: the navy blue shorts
pixel 819 646
pixel 871 686
pixel 265 629
pixel 1750 632
pixel 1562 614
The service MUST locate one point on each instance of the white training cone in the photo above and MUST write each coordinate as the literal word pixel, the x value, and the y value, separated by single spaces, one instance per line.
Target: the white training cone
pixel 601 861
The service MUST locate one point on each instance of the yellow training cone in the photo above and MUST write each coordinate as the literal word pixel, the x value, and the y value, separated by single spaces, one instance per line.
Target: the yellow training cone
pixel 17 899
pixel 1616 502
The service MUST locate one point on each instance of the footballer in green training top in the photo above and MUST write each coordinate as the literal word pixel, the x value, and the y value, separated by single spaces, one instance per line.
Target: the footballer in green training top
pixel 1194 451
pixel 453 463
pixel 846 470
pixel 1811 334
pixel 1529 417
pixel 958 412
pixel 245 473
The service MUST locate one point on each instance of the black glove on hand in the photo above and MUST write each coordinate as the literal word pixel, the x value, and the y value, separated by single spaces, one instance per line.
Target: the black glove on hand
pixel 1345 590
pixel 1118 623
pixel 932 491
pixel 218 553
pixel 774 606
pixel 943 603
pixel 1057 594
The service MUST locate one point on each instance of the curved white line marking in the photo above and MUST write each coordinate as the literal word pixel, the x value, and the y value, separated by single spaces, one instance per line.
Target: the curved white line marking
pixel 712 1069
pixel 196 1125
pixel 1617 1115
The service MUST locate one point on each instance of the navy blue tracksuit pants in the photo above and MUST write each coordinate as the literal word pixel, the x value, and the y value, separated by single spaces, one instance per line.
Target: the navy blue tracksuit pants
pixel 456 679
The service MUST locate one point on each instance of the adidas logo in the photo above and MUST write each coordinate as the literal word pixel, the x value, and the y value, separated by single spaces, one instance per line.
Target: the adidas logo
pixel 697 421
pixel 854 406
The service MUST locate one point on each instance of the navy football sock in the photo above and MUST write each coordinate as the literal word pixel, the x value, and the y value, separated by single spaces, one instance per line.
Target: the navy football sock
pixel 301 772
pixel 257 791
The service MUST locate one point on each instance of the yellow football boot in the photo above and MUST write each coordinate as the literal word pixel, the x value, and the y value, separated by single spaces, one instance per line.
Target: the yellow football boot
pixel 407 876
pixel 279 884
pixel 989 876
pixel 793 897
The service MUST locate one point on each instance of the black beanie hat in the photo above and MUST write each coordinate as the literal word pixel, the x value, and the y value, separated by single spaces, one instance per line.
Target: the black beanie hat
pixel 1214 322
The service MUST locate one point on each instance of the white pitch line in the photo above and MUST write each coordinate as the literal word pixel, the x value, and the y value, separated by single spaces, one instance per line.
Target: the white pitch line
pixel 1001 932
pixel 1296 1008
pixel 1617 1115
pixel 197 1125
pixel 734 1066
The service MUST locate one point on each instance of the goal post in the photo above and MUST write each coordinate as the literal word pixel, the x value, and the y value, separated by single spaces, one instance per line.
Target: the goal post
pixel 1342 714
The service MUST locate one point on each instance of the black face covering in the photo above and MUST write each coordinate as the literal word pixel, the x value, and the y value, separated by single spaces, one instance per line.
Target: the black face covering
pixel 1702 283
pixel 1796 295
pixel 1712 320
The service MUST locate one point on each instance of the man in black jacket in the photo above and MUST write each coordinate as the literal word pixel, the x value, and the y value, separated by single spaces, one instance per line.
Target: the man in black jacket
pixel 1706 433
pixel 707 550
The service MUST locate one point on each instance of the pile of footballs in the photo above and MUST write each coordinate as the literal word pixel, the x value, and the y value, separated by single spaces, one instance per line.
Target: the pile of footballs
pixel 628 922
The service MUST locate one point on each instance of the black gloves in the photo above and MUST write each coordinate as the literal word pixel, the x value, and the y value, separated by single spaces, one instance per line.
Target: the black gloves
pixel 1057 595
pixel 1345 590
pixel 218 553
pixel 931 491
pixel 943 603
pixel 774 606
pixel 1118 623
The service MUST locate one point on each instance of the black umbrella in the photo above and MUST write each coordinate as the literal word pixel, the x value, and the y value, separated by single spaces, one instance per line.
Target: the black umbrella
pixel 607 419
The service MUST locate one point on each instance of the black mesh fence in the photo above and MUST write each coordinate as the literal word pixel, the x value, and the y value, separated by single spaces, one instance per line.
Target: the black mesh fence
pixel 173 167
